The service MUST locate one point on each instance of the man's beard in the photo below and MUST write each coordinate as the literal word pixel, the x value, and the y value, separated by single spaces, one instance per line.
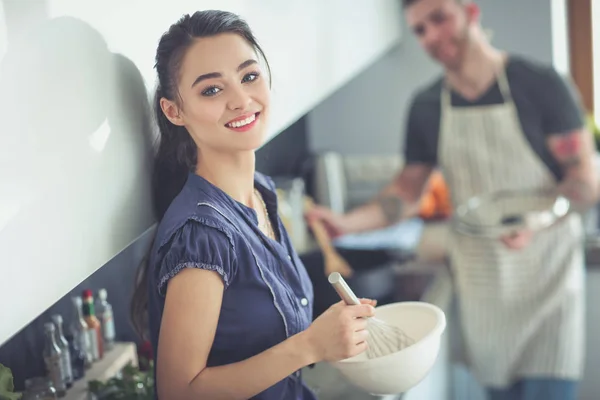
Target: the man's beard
pixel 461 44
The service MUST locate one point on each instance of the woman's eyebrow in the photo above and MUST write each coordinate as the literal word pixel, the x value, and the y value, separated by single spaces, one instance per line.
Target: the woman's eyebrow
pixel 212 75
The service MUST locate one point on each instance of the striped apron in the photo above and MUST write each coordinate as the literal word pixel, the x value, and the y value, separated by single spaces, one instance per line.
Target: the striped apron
pixel 521 311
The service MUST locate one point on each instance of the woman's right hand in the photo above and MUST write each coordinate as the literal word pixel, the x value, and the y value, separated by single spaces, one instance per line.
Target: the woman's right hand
pixel 340 332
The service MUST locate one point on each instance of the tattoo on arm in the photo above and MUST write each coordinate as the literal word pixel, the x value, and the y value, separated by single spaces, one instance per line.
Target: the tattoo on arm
pixel 568 150
pixel 392 207
pixel 574 151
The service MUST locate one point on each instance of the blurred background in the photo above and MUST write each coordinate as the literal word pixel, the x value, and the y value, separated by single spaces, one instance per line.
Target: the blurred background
pixel 75 143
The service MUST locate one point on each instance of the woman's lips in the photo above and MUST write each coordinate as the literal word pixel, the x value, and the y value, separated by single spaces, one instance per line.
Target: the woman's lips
pixel 243 124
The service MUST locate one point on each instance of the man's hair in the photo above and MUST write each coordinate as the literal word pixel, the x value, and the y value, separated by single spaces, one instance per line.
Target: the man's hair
pixel 407 3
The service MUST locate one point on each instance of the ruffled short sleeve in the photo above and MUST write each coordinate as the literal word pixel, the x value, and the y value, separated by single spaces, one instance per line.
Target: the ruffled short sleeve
pixel 198 245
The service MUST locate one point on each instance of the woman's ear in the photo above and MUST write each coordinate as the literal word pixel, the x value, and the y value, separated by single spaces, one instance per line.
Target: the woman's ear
pixel 171 111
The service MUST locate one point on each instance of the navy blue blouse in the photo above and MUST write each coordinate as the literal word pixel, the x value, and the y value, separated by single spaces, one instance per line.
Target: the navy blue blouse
pixel 268 295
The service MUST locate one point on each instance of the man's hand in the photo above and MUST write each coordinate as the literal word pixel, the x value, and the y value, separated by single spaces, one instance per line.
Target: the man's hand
pixel 335 224
pixel 517 240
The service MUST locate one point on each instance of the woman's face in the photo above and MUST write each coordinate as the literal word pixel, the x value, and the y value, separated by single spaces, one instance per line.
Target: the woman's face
pixel 225 95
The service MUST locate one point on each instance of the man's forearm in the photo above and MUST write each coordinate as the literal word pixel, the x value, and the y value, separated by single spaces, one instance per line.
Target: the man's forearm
pixel 387 208
pixel 576 152
pixel 583 191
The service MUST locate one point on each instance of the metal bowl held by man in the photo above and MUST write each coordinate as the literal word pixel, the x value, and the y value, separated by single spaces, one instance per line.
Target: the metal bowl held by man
pixel 505 212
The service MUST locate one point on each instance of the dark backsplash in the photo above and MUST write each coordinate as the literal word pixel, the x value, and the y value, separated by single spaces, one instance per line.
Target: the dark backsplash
pixel 286 155
pixel 23 352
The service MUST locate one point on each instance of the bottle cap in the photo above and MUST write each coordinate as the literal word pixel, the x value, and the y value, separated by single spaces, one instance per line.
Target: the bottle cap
pixel 87 293
pixel 49 327
pixel 102 294
pixel 57 318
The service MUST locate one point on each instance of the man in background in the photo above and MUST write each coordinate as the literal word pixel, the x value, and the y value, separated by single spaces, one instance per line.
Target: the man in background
pixel 496 121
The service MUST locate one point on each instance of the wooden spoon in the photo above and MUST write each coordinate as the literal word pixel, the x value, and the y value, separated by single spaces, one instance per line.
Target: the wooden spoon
pixel 333 261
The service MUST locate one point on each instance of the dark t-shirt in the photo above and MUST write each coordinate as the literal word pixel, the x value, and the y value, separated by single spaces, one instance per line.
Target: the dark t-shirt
pixel 546 102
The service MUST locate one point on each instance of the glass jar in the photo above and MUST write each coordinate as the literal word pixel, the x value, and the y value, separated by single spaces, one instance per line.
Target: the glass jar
pixel 39 388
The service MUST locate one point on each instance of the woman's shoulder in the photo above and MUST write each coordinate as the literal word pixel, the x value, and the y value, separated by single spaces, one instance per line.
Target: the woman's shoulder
pixel 193 234
pixel 203 210
pixel 197 243
pixel 197 211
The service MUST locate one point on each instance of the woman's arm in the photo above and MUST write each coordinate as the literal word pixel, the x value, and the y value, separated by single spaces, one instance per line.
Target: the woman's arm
pixel 189 322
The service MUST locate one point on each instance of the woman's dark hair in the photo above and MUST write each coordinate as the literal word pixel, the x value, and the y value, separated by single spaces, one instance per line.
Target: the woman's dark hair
pixel 176 153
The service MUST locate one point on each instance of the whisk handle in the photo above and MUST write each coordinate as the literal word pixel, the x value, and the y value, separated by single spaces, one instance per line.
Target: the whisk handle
pixel 342 288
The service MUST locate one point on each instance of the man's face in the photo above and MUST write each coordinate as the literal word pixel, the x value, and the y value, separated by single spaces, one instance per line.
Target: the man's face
pixel 442 28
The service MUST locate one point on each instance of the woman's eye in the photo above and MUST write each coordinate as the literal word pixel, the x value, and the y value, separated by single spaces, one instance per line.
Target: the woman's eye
pixel 250 77
pixel 211 91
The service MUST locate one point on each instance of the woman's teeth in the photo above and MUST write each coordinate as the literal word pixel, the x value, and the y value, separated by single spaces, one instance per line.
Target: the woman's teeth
pixel 239 124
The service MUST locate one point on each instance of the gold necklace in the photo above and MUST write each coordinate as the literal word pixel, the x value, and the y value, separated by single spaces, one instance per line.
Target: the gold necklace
pixel 266 226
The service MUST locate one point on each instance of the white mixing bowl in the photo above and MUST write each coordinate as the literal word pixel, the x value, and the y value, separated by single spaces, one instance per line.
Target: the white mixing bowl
pixel 400 371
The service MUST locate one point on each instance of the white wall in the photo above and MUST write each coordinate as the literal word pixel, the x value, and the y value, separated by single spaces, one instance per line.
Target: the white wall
pixel 559 21
pixel 596 57
pixel 75 140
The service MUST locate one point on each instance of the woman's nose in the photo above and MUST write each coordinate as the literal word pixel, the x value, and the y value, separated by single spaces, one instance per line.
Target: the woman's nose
pixel 239 99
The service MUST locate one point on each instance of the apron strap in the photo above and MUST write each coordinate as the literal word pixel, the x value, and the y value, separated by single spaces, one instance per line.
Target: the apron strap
pixel 446 97
pixel 504 86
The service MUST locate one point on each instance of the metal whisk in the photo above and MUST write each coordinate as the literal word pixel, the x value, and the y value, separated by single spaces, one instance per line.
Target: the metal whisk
pixel 383 338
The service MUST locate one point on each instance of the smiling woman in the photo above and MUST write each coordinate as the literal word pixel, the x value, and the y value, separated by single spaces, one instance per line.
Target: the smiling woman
pixel 228 300
pixel 215 92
